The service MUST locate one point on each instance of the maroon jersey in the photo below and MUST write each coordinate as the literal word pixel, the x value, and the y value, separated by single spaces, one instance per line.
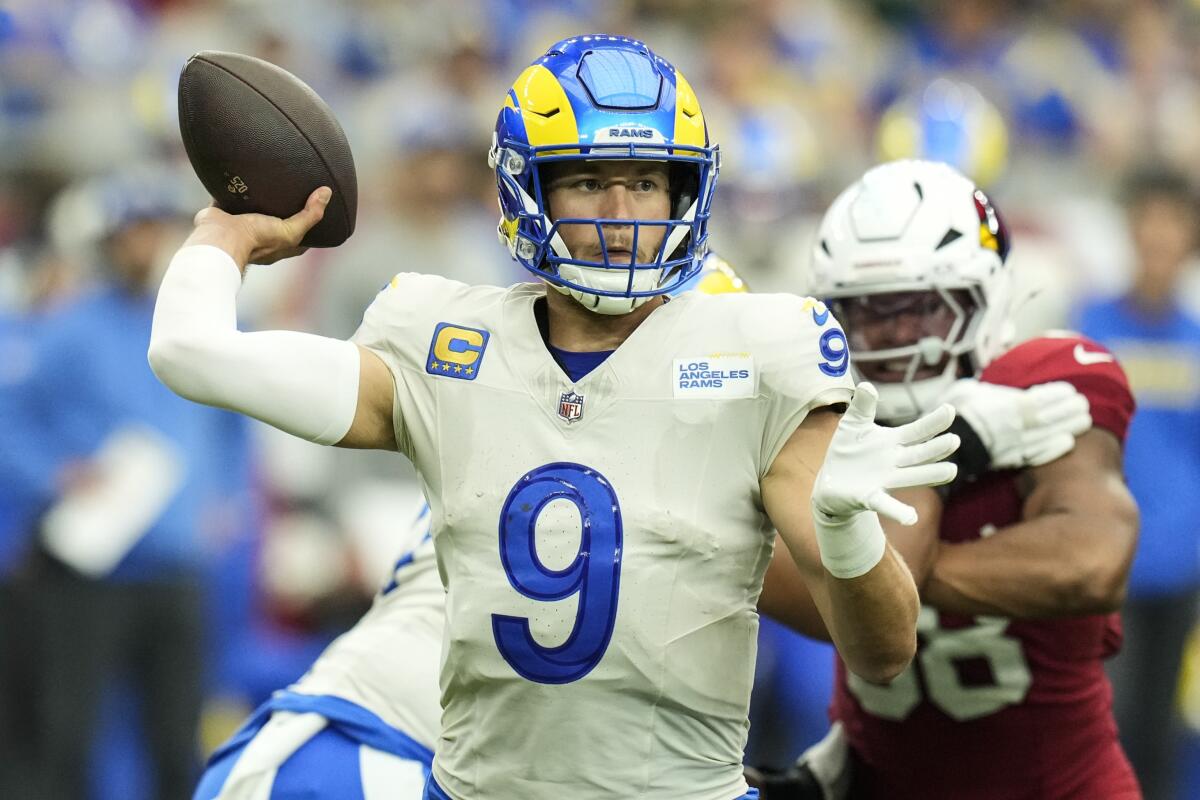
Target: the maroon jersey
pixel 993 707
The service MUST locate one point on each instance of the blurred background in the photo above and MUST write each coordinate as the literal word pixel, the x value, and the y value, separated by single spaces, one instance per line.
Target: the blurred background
pixel 1078 117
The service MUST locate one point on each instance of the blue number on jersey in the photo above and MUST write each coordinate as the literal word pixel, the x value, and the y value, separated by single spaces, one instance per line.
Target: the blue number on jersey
pixel 837 360
pixel 595 574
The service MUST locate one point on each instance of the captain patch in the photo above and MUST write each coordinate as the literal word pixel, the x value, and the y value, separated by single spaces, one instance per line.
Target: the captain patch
pixel 456 351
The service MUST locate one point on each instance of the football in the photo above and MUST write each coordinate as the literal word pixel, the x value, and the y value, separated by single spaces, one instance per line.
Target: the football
pixel 261 140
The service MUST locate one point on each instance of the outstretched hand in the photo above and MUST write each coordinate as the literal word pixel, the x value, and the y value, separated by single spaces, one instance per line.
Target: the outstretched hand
pixel 865 460
pixel 258 238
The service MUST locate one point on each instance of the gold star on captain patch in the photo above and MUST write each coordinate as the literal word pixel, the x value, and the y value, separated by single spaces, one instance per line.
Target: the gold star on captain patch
pixel 434 365
pixel 470 370
pixel 445 367
pixel 458 367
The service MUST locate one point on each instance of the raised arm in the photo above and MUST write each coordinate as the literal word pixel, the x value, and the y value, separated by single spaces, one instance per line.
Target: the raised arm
pixel 861 587
pixel 1069 556
pixel 325 390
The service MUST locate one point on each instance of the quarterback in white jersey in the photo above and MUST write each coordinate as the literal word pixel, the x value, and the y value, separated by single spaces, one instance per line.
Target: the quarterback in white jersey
pixel 636 608
pixel 604 468
pixel 386 665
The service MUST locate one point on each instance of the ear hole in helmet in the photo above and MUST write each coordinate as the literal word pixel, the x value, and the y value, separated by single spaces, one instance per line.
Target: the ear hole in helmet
pixel 684 181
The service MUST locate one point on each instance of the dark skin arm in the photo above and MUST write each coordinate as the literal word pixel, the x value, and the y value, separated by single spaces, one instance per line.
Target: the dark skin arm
pixel 1070 555
pixel 785 596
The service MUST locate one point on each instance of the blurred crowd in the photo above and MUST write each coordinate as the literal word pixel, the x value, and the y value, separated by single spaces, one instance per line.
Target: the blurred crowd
pixel 1078 118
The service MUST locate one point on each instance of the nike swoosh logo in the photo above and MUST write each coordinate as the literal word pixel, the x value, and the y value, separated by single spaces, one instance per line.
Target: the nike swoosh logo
pixel 1087 358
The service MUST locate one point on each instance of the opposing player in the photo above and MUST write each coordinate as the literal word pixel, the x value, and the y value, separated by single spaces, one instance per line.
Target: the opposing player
pixel 1023 574
pixel 603 468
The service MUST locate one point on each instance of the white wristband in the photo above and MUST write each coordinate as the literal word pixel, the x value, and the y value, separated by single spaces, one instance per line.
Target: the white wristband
pixel 850 546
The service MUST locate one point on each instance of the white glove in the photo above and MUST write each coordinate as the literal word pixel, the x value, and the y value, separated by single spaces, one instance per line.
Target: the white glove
pixel 1022 427
pixel 863 462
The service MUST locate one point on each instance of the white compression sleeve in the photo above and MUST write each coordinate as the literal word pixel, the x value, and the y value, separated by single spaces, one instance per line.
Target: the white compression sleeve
pixel 304 384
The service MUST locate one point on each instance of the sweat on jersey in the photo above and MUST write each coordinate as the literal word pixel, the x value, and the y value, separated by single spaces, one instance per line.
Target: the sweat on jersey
pixel 602 541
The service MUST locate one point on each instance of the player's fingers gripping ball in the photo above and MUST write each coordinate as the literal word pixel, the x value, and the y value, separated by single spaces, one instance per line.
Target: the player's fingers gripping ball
pixel 294 228
pixel 270 239
pixel 865 460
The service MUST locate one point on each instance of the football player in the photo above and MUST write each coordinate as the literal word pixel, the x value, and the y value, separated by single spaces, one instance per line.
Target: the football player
pixel 366 712
pixel 604 469
pixel 1022 564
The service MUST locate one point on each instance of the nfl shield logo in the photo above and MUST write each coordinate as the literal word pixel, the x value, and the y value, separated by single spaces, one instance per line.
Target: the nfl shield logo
pixel 570 406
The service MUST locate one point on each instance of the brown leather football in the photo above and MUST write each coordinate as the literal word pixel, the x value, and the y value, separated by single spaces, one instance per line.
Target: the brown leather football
pixel 261 140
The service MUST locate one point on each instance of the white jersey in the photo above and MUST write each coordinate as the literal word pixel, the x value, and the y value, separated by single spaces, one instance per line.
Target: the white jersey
pixel 602 541
pixel 388 662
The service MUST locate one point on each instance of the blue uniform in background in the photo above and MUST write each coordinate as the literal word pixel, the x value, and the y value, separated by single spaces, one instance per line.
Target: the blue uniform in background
pixel 793 686
pixel 1162 457
pixel 1161 355
pixel 91 378
pixel 22 487
pixel 144 621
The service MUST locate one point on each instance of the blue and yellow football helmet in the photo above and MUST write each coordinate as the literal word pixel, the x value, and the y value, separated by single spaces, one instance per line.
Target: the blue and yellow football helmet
pixel 603 97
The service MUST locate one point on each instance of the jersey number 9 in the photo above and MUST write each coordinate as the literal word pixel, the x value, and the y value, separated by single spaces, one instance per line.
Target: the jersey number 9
pixel 835 351
pixel 594 575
